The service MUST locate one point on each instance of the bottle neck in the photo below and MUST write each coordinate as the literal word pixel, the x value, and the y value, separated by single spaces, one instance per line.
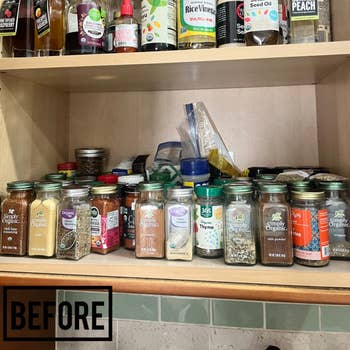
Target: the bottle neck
pixel 335 194
pixel 273 197
pixel 238 197
pixel 21 194
pixel 152 195
pixel 42 195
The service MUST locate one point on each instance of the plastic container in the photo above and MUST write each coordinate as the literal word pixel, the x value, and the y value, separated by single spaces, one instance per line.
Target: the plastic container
pixel 195 172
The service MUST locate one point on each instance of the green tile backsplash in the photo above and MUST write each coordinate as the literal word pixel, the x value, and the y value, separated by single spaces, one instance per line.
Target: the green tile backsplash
pixel 335 318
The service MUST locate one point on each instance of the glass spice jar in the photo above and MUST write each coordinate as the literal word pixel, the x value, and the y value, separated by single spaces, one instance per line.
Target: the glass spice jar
pixel 104 219
pixel 43 219
pixel 74 224
pixel 15 218
pixel 90 161
pixel 337 203
pixel 274 225
pixel 179 224
pixel 239 225
pixel 55 176
pixel 209 222
pixel 150 235
pixel 310 228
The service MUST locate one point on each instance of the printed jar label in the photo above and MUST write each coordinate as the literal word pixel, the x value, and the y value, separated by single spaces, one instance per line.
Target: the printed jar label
pixel 310 234
pixel 129 221
pixel 237 221
pixel 158 20
pixel 209 227
pixel 9 17
pixel 69 219
pixel 196 17
pixel 230 22
pixel 91 25
pixel 261 15
pixel 12 226
pixel 302 10
pixel 126 35
pixel 41 17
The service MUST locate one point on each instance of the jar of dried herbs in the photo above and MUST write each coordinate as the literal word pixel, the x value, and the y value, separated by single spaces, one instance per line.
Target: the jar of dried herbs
pixel 104 219
pixel 310 228
pixel 90 161
pixel 337 203
pixel 239 217
pixel 274 225
pixel 209 227
pixel 74 224
pixel 150 235
pixel 15 218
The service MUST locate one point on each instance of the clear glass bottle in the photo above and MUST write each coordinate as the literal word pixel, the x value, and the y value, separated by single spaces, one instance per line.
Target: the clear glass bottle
pixel 179 224
pixel 239 225
pixel 43 219
pixel 74 224
pixel 209 227
pixel 150 233
pixel 112 14
pixel 310 228
pixel 274 225
pixel 15 218
pixel 338 206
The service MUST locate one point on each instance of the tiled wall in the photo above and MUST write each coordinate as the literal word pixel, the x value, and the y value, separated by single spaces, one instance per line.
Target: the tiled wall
pixel 164 322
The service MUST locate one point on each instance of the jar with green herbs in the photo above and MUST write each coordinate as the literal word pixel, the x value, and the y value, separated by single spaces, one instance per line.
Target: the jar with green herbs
pixel 90 161
pixel 310 228
pixel 209 227
pixel 275 229
pixel 74 224
pixel 337 203
pixel 239 232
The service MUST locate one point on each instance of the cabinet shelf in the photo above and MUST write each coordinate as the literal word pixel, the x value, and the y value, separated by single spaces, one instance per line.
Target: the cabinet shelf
pixel 300 64
pixel 200 277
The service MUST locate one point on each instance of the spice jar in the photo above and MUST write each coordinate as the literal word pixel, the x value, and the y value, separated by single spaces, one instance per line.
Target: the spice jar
pixel 310 228
pixel 15 217
pixel 239 233
pixel 337 203
pixel 274 225
pixel 104 219
pixel 68 168
pixel 150 221
pixel 43 219
pixel 90 161
pixel 55 176
pixel 74 224
pixel 108 179
pixel 179 224
pixel 209 222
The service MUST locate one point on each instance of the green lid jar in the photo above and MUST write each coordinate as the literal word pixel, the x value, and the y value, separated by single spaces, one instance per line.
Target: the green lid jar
pixel 300 186
pixel 56 176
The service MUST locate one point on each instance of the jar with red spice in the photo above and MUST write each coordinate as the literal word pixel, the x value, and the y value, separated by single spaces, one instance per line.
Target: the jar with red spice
pixel 68 168
pixel 104 219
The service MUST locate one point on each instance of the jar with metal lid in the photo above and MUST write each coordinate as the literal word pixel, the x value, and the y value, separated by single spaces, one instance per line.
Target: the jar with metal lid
pixel 74 224
pixel 150 235
pixel 274 226
pixel 55 176
pixel 43 219
pixel 239 225
pixel 90 161
pixel 300 186
pixel 338 206
pixel 179 224
pixel 104 219
pixel 310 228
pixel 65 183
pixel 15 218
pixel 209 227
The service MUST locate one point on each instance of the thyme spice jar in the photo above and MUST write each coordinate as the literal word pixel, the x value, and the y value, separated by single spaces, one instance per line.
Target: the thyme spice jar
pixel 209 228
pixel 310 228
pixel 239 219
pixel 274 225
pixel 90 161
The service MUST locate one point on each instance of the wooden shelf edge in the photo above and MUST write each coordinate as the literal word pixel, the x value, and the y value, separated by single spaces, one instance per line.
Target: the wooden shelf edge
pixel 187 288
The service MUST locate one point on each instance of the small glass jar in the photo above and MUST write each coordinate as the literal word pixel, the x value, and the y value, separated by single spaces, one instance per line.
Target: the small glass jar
pixel 104 219
pixel 179 224
pixel 43 219
pixel 15 218
pixel 310 228
pixel 298 186
pixel 74 224
pixel 209 226
pixel 55 176
pixel 338 206
pixel 239 225
pixel 90 161
pixel 274 226
pixel 150 235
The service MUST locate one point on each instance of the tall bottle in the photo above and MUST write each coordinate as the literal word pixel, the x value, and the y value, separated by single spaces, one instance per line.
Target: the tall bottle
pixel 158 25
pixel 113 12
pixel 261 22
pixel 49 27
pixel 126 29
pixel 84 28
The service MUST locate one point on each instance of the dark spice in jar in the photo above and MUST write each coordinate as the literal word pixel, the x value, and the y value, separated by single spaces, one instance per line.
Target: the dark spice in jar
pixel 90 161
pixel 132 195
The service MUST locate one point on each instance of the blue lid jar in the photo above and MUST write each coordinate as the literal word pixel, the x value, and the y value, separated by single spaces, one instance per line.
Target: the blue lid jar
pixel 194 166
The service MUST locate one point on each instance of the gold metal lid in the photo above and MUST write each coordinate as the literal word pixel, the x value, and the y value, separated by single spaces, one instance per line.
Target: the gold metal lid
pixel 104 189
pixel 312 195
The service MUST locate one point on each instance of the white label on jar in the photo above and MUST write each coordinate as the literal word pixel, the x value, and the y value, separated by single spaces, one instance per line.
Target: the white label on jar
pixel 209 227
pixel 112 219
pixel 69 219
pixel 260 15
pixel 95 222
pixel 126 35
